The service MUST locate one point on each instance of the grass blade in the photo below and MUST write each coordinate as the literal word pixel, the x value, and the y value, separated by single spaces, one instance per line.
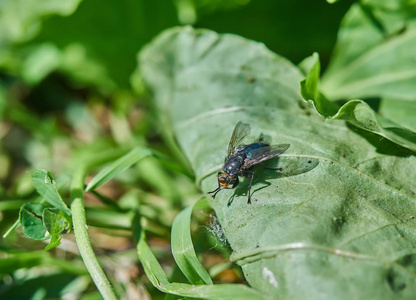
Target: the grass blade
pixel 159 279
pixel 183 250
pixel 118 166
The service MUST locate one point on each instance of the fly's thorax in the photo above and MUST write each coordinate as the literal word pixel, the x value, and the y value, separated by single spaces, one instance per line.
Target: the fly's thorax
pixel 233 164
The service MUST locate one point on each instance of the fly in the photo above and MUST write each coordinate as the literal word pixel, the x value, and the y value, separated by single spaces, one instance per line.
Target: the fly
pixel 242 158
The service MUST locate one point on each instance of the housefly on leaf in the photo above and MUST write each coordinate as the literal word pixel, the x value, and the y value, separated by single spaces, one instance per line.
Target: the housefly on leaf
pixel 242 158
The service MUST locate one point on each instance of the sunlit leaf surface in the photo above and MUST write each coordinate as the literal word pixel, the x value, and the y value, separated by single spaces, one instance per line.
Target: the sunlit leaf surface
pixel 338 221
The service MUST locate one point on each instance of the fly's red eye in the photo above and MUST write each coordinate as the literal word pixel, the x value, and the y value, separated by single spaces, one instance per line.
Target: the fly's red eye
pixel 222 179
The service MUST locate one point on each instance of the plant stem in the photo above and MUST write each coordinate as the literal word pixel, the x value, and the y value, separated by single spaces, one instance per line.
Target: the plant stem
pixel 82 239
pixel 14 226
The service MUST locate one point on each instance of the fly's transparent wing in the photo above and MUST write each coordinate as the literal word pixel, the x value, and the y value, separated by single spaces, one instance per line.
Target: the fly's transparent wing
pixel 241 130
pixel 265 153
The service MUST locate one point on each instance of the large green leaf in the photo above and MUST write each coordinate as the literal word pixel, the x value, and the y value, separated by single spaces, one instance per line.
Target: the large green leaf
pixel 374 55
pixel 338 221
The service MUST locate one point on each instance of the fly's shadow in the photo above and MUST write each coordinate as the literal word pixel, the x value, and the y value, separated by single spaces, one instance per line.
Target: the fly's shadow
pixel 273 169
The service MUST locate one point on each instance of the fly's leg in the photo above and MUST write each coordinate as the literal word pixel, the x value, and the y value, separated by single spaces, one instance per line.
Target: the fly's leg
pixel 215 192
pixel 251 175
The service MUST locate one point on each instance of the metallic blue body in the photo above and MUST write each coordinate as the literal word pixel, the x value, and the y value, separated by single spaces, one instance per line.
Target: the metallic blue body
pixel 233 163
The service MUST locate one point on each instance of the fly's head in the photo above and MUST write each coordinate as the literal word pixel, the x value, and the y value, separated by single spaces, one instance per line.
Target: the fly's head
pixel 225 181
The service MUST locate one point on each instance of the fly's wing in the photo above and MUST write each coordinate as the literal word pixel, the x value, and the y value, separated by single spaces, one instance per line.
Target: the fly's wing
pixel 241 130
pixel 264 153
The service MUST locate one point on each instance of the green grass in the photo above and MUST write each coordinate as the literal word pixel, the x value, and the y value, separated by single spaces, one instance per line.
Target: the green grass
pixel 114 121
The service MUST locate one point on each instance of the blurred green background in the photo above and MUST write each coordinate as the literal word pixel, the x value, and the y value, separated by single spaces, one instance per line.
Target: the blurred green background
pixel 71 89
pixel 58 57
